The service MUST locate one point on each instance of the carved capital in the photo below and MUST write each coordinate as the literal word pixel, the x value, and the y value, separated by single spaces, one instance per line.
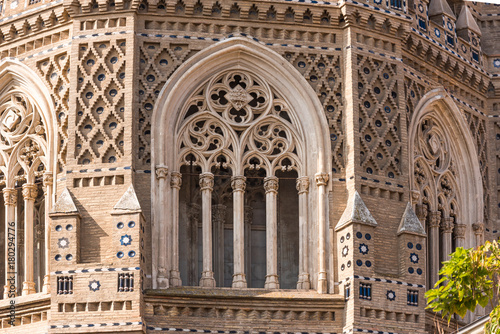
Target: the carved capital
pixel 194 212
pixel 478 228
pixel 415 196
pixel 434 219
pixel 161 172
pixel 239 183
pixel 447 225
pixel 176 180
pixel 271 184
pixel 421 211
pixel 207 181
pixel 48 179
pixel 321 179
pixel 302 185
pixel 10 196
pixel 460 230
pixel 30 192
pixel 219 213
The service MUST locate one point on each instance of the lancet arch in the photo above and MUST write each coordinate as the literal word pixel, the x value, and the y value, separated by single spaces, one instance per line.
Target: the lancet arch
pixel 239 106
pixel 28 147
pixel 445 177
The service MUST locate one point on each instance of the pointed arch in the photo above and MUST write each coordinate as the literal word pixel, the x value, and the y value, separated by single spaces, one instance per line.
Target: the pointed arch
pixel 306 117
pixel 438 106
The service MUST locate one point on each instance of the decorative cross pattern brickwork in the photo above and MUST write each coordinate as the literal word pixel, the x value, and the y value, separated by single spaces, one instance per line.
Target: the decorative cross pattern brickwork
pixel 55 72
pixel 379 117
pixel 323 72
pixel 100 102
pixel 158 60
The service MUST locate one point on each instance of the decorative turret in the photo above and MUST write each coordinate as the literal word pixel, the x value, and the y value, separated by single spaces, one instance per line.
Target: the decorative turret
pixel 467 27
pixel 440 11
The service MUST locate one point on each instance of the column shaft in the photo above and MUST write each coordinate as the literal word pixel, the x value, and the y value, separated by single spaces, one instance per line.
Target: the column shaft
pixel 447 227
pixel 271 187
pixel 29 194
pixel 207 185
pixel 238 184
pixel 434 220
pixel 303 189
pixel 322 181
pixel 175 184
pixel 163 222
pixel 48 182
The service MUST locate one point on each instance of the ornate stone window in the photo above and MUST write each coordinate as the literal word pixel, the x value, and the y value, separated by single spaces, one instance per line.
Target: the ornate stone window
pixel 26 178
pixel 446 189
pixel 237 168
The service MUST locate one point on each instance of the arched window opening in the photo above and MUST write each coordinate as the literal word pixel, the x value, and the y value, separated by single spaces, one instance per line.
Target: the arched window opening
pixel 447 193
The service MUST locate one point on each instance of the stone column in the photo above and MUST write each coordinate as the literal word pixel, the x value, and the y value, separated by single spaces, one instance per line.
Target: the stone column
pixel 192 231
pixel 175 185
pixel 478 232
pixel 238 183
pixel 30 193
pixel 459 232
pixel 218 221
pixel 434 220
pixel 48 181
pixel 10 201
pixel 303 189
pixel 248 241
pixel 321 182
pixel 163 255
pixel 447 228
pixel 207 186
pixel 271 187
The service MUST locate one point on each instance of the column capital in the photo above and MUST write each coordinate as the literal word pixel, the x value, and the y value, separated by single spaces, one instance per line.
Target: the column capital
pixel 321 179
pixel 161 171
pixel 478 228
pixel 10 196
pixel 30 191
pixel 434 218
pixel 207 181
pixel 421 211
pixel 48 179
pixel 460 230
pixel 303 185
pixel 219 213
pixel 271 184
pixel 176 180
pixel 415 196
pixel 447 225
pixel 239 183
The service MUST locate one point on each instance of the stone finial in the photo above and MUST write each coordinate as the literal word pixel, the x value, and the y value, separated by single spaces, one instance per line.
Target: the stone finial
pixel 440 7
pixel 65 203
pixel 467 21
pixel 128 201
pixel 356 212
pixel 410 223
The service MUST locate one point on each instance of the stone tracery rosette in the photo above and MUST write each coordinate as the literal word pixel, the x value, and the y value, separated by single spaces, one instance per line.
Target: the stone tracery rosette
pixel 236 120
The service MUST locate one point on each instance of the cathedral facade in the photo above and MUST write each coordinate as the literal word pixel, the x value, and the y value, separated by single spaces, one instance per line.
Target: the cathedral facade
pixel 243 167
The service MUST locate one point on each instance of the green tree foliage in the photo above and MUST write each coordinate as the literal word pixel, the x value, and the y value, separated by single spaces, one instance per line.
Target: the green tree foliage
pixel 469 278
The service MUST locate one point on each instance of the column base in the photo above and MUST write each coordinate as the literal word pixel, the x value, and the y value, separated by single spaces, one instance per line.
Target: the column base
pixel 28 288
pixel 239 281
pixel 272 282
pixel 7 292
pixel 207 279
pixel 175 278
pixel 303 282
pixel 322 283
pixel 46 284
